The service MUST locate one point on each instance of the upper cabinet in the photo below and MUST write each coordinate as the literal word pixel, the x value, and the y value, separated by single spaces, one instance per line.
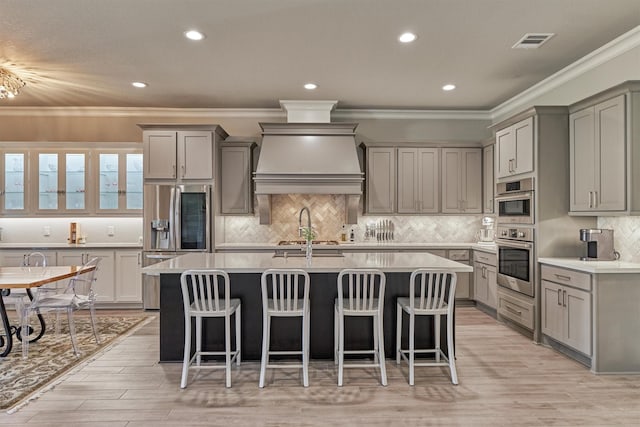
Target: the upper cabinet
pixel 514 146
pixel 182 152
pixel 13 181
pixel 418 180
pixel 235 167
pixel 380 178
pixel 61 181
pixel 461 180
pixel 119 184
pixel 488 179
pixel 598 156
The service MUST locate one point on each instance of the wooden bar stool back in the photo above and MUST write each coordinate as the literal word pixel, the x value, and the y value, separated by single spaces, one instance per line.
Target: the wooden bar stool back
pixel 285 293
pixel 360 293
pixel 209 290
pixel 434 296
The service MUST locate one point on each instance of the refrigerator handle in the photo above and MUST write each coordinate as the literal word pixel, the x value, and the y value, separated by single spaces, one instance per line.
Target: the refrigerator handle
pixel 176 200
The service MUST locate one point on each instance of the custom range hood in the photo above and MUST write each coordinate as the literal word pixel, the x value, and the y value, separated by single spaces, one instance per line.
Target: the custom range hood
pixel 308 155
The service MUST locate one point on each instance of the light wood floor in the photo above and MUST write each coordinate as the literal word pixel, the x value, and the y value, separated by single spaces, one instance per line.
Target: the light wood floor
pixel 505 380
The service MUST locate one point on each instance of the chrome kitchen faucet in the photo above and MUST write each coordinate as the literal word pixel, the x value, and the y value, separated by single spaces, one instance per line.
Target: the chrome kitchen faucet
pixel 300 228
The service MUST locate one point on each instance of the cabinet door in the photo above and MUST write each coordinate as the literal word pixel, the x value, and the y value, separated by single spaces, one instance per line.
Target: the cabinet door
pixel 505 151
pixel 195 154
pixel 160 154
pixel 381 180
pixel 611 170
pixel 523 159
pixel 451 181
pixel 235 180
pixel 104 285
pixel 471 177
pixel 578 319
pixel 128 276
pixel 492 286
pixel 428 181
pixel 583 162
pixel 62 181
pixel 552 313
pixel 408 180
pixel 12 182
pixel 488 178
pixel 480 290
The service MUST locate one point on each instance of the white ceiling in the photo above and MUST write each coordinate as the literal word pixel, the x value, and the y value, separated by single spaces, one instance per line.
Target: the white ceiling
pixel 87 52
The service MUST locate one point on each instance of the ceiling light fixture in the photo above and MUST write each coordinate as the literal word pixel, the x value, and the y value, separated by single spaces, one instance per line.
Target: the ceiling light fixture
pixel 10 84
pixel 310 86
pixel 194 35
pixel 448 87
pixel 407 37
pixel 139 84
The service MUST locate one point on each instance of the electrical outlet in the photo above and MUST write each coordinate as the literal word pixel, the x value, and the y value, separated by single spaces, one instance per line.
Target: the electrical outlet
pixel 111 230
pixel 46 230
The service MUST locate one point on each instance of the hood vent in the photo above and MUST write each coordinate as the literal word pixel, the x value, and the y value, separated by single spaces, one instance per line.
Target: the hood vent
pixel 308 158
pixel 532 40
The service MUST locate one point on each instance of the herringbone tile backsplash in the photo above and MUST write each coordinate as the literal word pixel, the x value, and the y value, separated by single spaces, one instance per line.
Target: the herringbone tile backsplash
pixel 327 217
pixel 626 235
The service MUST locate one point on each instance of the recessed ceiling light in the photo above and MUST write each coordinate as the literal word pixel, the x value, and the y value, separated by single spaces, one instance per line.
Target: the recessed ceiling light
pixel 407 37
pixel 310 86
pixel 139 84
pixel 194 35
pixel 448 87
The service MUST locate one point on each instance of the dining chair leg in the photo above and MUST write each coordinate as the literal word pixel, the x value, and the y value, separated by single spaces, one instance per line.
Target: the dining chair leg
pixel 24 319
pixel 383 368
pixel 412 347
pixel 227 348
pixel 72 331
pixel 450 348
pixel 187 352
pixel 265 348
pixel 398 332
pixel 238 335
pixel 94 325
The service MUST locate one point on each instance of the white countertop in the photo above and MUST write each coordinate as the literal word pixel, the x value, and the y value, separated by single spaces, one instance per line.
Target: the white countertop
pixel 372 246
pixel 258 262
pixel 68 246
pixel 594 267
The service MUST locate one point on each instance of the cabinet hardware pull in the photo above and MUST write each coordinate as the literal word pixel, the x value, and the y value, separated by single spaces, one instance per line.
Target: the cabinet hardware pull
pixel 559 294
pixel 595 199
pixel 519 313
pixel 564 298
pixel 590 206
pixel 174 170
pixel 139 258
pixel 562 277
pixel 183 170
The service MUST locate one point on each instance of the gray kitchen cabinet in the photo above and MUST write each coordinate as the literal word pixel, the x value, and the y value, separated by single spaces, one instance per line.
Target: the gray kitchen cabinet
pixel 418 180
pixel 381 180
pixel 566 307
pixel 597 157
pixel 60 178
pixel 182 152
pixel 105 277
pixel 514 146
pixel 463 282
pixel 128 275
pixel 15 258
pixel 13 181
pixel 485 286
pixel 461 180
pixel 235 167
pixel 488 179
pixel 119 183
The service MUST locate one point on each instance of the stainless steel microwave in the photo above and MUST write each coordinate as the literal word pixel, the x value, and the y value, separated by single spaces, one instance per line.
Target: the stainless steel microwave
pixel 515 201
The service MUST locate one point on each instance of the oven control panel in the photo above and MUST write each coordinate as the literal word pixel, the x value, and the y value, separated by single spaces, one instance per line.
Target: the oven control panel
pixel 515 233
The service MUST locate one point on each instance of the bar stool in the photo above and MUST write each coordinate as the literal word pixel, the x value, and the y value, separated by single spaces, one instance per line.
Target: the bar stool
pixel 363 296
pixel 210 292
pixel 432 299
pixel 286 287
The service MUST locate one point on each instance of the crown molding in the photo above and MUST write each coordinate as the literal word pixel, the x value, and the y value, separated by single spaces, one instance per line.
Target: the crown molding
pixel 607 52
pixel 413 114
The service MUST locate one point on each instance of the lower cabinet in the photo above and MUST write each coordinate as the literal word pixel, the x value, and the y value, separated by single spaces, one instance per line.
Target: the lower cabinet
pixel 463 282
pixel 485 286
pixel 128 282
pixel 566 310
pixel 16 258
pixel 104 284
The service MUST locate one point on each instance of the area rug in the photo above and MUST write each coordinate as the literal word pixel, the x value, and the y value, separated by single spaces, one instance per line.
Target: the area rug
pixel 52 356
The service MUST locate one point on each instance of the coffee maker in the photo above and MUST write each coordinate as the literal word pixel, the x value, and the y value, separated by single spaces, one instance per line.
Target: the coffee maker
pixel 599 244
pixel 487 233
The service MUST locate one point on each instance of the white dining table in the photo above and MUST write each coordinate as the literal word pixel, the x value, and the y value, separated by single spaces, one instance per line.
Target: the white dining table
pixel 28 278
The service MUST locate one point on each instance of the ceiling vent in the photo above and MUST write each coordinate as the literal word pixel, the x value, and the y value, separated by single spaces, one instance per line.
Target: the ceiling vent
pixel 532 40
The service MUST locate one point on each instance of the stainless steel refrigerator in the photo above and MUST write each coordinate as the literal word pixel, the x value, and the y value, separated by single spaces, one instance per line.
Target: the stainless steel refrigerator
pixel 177 220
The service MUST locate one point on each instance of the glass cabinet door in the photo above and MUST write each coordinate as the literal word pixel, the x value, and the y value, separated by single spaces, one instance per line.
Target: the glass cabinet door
pixel 13 182
pixel 108 183
pixel 75 178
pixel 48 181
pixel 62 178
pixel 119 185
pixel 134 181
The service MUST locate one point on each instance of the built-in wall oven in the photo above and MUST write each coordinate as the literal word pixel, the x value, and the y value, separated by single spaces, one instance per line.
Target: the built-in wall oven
pixel 516 263
pixel 515 201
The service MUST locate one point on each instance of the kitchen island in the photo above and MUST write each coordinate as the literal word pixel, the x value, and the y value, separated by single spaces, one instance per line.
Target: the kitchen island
pixel 245 269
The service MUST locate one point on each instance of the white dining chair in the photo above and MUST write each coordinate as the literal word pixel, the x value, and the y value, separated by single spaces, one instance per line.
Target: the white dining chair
pixel 360 293
pixel 434 296
pixel 285 293
pixel 206 294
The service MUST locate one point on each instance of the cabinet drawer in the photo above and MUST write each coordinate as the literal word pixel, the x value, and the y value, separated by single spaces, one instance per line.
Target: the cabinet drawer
pixel 516 310
pixel 485 258
pixel 459 254
pixel 566 277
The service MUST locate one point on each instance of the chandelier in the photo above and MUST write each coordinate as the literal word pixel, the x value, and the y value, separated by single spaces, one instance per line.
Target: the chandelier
pixel 10 84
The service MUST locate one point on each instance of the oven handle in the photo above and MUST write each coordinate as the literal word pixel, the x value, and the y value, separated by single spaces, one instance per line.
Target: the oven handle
pixel 515 196
pixel 511 244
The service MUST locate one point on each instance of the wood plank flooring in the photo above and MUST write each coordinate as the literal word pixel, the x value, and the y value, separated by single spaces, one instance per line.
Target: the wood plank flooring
pixel 505 380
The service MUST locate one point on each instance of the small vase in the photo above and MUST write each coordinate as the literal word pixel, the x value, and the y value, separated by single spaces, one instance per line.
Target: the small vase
pixel 309 250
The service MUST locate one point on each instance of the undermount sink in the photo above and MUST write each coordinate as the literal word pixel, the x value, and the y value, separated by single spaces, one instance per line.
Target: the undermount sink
pixel 303 242
pixel 290 254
